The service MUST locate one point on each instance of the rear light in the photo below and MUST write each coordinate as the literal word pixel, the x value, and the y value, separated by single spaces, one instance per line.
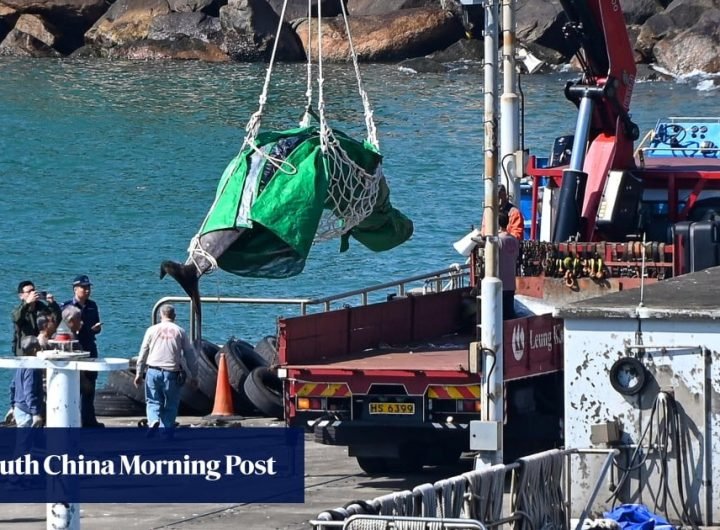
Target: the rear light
pixel 304 403
pixel 469 405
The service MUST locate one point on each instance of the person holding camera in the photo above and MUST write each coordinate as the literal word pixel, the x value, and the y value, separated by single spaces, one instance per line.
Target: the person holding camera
pixel 90 326
pixel 33 304
pixel 169 355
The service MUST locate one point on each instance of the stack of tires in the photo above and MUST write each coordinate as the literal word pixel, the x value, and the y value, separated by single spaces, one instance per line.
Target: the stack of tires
pixel 255 387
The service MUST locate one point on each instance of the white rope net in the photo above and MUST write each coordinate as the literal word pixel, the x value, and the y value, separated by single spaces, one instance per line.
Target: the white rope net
pixel 352 191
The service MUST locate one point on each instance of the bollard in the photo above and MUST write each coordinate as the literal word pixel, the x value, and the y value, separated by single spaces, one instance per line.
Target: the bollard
pixel 63 410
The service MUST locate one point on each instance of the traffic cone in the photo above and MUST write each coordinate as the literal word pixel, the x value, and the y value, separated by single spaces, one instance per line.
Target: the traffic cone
pixel 223 405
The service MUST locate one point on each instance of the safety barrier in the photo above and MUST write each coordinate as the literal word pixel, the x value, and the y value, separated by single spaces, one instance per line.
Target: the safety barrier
pixel 538 498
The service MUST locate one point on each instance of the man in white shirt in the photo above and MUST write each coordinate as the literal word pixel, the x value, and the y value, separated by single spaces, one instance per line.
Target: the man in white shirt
pixel 167 353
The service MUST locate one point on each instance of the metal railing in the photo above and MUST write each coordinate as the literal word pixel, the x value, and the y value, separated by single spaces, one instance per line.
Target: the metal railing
pixel 453 277
pixel 482 489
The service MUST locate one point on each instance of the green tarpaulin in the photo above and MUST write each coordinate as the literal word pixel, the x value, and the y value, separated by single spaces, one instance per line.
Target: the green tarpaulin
pixel 280 209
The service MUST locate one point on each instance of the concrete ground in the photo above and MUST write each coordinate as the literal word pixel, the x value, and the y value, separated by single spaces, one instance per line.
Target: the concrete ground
pixel 332 479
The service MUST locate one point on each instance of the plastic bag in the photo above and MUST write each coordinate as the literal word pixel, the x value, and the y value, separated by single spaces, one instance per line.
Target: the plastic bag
pixel 638 517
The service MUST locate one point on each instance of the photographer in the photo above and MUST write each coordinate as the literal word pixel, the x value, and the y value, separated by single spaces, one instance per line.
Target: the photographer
pixel 25 316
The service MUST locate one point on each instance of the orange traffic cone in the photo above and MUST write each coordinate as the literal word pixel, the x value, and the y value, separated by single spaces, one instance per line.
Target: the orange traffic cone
pixel 223 405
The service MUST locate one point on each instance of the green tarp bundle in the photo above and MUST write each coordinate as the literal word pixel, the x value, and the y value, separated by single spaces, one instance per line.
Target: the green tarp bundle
pixel 280 210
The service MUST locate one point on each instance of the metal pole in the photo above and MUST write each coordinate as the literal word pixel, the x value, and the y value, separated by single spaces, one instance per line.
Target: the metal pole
pixel 63 398
pixel 491 285
pixel 509 106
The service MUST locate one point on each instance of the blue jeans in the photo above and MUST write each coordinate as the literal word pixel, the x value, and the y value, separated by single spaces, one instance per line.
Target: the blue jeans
pixel 162 396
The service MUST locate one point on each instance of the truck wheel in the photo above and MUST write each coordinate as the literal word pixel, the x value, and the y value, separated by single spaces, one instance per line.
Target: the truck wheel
pixel 372 465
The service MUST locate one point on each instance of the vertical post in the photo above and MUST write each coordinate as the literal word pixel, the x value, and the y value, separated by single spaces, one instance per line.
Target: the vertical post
pixel 510 106
pixel 491 285
pixel 63 398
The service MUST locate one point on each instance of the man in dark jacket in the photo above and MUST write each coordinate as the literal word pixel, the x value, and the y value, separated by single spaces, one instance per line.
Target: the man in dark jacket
pixel 25 315
pixel 91 326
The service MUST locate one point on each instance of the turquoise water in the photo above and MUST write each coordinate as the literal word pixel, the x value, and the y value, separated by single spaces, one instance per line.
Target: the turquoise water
pixel 107 168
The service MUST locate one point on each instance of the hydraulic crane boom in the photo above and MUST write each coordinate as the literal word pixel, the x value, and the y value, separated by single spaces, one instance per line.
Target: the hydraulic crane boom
pixel 604 133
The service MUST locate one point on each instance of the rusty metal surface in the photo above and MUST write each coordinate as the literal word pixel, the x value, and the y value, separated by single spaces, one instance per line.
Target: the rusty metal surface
pixel 554 290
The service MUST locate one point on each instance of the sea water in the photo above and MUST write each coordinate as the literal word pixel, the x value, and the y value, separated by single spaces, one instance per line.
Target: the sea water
pixel 109 167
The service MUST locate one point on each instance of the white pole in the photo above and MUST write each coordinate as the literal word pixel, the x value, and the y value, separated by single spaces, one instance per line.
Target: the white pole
pixel 491 286
pixel 510 107
pixel 63 410
pixel 63 397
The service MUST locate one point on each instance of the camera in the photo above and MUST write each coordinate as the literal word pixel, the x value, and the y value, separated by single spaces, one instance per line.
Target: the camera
pixel 42 295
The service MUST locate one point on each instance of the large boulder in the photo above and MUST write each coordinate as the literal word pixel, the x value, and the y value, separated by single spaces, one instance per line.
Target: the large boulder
pixel 196 25
pixel 676 18
pixel 126 21
pixel 299 8
pixel 540 29
pixel 397 36
pixel 249 31
pixel 72 18
pixel 209 7
pixel 384 7
pixel 8 17
pixel 38 28
pixel 31 37
pixel 179 49
pixel 695 49
pixel 638 11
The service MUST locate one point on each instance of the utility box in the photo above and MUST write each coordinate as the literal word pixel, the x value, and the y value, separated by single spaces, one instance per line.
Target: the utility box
pixel 607 433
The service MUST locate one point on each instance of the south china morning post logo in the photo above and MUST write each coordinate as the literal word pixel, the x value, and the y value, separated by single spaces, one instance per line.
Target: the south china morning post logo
pixel 123 465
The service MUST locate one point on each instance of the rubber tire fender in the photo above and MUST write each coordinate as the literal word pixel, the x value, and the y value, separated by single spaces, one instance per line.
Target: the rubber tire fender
pixel 207 376
pixel 267 349
pixel 123 382
pixel 264 389
pixel 237 374
pixel 247 354
pixel 111 403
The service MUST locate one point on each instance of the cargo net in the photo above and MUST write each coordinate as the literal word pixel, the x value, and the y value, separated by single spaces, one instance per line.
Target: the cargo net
pixel 352 191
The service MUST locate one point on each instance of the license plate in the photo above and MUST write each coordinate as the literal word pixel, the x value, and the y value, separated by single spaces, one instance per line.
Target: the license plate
pixel 392 408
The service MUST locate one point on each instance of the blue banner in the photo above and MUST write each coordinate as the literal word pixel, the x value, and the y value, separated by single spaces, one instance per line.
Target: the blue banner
pixel 128 465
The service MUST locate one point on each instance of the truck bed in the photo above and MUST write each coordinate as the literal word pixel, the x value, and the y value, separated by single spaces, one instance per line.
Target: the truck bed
pixel 446 354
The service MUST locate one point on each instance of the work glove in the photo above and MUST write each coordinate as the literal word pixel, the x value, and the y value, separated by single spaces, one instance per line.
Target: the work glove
pixel 37 421
pixel 10 417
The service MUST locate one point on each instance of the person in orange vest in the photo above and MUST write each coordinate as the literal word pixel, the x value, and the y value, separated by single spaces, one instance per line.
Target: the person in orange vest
pixel 516 222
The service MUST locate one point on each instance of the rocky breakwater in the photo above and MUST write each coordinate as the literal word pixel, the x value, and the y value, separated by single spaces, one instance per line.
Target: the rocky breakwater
pixel 680 36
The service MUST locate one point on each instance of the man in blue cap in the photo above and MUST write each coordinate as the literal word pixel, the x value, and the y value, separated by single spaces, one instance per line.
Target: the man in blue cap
pixel 91 326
